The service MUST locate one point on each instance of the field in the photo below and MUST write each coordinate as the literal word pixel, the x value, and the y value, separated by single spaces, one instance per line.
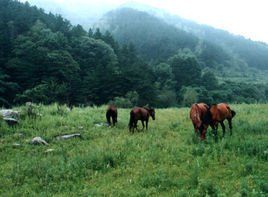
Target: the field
pixel 166 160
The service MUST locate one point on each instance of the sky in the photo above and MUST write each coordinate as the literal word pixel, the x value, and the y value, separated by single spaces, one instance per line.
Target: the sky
pixel 243 17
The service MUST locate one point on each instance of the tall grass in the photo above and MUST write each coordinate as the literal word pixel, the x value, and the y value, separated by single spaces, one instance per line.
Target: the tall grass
pixel 166 160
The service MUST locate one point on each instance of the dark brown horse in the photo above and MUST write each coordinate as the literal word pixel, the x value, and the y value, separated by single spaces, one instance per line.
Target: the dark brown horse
pixel 111 113
pixel 142 114
pixel 217 113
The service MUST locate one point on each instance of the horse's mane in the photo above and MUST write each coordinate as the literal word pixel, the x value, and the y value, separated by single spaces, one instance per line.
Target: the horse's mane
pixel 147 108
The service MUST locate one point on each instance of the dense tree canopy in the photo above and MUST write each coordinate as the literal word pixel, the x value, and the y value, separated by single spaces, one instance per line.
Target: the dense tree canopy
pixel 43 58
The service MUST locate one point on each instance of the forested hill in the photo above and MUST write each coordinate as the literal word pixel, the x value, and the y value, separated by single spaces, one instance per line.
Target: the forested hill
pixel 45 59
pixel 252 52
pixel 153 38
pixel 157 36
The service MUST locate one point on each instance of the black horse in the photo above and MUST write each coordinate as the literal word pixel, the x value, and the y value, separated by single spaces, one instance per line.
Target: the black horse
pixel 111 113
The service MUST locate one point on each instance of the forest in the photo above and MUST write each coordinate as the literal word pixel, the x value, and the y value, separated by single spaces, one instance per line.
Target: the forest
pixel 45 59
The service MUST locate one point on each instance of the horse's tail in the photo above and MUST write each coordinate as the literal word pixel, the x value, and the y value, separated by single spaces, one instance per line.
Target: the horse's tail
pixel 131 121
pixel 233 113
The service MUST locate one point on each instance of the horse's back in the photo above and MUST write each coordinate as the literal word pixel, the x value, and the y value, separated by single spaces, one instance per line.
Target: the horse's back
pixel 198 107
pixel 197 113
pixel 139 113
pixel 224 111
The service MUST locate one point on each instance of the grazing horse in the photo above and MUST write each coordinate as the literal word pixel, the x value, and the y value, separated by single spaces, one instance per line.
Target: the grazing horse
pixel 217 113
pixel 111 113
pixel 142 114
pixel 197 114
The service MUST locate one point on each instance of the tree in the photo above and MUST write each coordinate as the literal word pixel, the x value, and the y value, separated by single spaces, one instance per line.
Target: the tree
pixel 186 69
pixel 99 70
pixel 97 34
pixel 7 89
pixel 190 96
pixel 78 31
pixel 46 92
pixel 209 80
pixel 164 76
pixel 41 55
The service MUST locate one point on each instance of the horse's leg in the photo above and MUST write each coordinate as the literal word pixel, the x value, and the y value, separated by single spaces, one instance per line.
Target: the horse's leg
pixel 146 124
pixel 203 133
pixel 114 119
pixel 195 128
pixel 230 125
pixel 108 119
pixel 214 127
pixel 223 128
pixel 136 125
pixel 142 122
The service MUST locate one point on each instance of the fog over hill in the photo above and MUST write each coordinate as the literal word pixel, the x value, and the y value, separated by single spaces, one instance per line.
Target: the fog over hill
pixel 87 13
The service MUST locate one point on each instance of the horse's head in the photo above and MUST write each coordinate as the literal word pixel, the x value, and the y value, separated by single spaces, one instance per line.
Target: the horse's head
pixel 195 115
pixel 152 113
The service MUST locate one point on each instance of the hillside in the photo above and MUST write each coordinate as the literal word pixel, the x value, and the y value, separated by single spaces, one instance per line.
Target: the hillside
pixel 252 52
pixel 166 160
pixel 153 38
pixel 158 36
pixel 45 59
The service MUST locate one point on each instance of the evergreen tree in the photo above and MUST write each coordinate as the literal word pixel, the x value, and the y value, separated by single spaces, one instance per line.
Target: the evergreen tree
pixel 186 69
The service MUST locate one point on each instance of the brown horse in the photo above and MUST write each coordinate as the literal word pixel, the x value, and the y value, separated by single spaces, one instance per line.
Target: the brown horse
pixel 197 114
pixel 142 114
pixel 217 113
pixel 111 113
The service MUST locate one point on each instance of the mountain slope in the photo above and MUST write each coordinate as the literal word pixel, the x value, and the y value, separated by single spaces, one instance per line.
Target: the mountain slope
pixel 253 52
pixel 157 34
pixel 153 38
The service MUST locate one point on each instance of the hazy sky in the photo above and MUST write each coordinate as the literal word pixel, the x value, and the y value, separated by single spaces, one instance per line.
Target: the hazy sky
pixel 245 17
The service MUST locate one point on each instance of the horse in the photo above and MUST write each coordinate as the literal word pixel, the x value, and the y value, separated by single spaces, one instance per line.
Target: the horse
pixel 197 114
pixel 142 114
pixel 111 112
pixel 217 113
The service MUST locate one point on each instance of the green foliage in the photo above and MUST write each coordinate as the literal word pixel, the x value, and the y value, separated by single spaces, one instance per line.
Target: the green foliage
pixel 31 111
pixel 207 188
pixel 190 96
pixel 186 69
pixel 130 100
pixel 166 98
pixel 44 59
pixel 122 102
pixel 6 87
pixel 209 80
pixel 153 38
pixel 46 92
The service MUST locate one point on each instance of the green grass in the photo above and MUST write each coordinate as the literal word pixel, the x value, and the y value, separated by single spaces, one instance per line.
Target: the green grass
pixel 166 160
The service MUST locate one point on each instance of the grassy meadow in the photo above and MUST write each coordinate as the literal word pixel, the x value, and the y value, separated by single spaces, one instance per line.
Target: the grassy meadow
pixel 166 160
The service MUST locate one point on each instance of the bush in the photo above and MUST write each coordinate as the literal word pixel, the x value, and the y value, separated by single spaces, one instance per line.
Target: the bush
pixel 31 110
pixel 130 100
pixel 166 98
pixel 122 102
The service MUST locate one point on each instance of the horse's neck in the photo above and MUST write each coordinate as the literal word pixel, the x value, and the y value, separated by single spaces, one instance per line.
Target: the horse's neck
pixel 146 108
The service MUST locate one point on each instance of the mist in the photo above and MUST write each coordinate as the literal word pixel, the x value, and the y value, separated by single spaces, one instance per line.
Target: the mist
pixel 239 17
